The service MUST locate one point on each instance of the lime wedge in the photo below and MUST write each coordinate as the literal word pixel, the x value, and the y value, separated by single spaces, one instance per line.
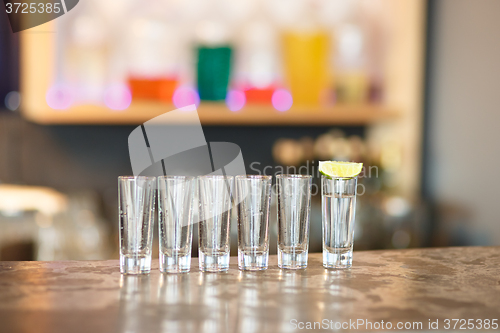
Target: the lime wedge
pixel 338 169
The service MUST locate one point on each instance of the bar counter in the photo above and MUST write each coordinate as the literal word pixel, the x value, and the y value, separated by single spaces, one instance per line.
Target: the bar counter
pixel 430 286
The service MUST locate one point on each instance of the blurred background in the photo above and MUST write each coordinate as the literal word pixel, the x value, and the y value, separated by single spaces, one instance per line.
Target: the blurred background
pixel 406 87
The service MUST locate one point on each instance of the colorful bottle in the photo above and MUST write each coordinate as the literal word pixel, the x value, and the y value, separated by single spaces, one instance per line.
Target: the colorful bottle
pixel 214 60
pixel 213 71
pixel 153 48
pixel 306 65
pixel 258 64
pixel 353 81
pixel 305 53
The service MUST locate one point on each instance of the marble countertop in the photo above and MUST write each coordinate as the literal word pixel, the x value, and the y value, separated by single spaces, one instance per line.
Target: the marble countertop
pixel 395 286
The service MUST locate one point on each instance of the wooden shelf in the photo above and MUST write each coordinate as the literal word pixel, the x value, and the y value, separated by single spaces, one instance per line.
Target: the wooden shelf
pixel 219 114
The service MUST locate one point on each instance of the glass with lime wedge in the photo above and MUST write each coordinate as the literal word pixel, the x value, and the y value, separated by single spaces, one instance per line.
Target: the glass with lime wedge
pixel 338 200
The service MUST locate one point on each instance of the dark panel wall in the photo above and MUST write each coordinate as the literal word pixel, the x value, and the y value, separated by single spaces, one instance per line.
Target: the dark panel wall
pixel 9 59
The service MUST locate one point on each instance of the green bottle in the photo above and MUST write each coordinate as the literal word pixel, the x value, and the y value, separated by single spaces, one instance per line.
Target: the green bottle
pixel 213 72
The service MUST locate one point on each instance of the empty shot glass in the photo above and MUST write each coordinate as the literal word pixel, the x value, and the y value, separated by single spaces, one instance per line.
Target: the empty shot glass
pixel 294 208
pixel 253 195
pixel 338 202
pixel 175 223
pixel 215 202
pixel 136 205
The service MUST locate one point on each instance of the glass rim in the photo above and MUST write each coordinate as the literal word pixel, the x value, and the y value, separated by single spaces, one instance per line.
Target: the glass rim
pixel 333 178
pixel 292 175
pixel 167 177
pixel 135 177
pixel 253 177
pixel 215 177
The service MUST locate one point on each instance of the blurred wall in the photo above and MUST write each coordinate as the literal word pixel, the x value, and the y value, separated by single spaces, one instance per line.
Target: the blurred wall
pixel 9 60
pixel 463 119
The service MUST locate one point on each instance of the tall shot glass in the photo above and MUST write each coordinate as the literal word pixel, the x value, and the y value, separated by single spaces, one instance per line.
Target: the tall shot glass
pixel 294 208
pixel 136 206
pixel 215 196
pixel 175 224
pixel 253 196
pixel 338 204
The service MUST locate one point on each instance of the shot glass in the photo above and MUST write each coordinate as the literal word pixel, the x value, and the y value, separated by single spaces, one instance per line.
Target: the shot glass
pixel 175 224
pixel 136 201
pixel 215 196
pixel 338 202
pixel 294 208
pixel 253 196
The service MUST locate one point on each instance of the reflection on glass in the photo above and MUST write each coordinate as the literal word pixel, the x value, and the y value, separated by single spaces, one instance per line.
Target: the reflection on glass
pixel 134 292
pixel 216 307
pixel 256 304
pixel 174 295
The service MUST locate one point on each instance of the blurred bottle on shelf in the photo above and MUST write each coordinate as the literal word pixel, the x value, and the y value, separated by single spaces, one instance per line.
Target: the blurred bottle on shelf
pixel 375 15
pixel 305 56
pixel 213 69
pixel 352 84
pixel 362 40
pixel 153 48
pixel 152 89
pixel 214 56
pixel 88 56
pixel 258 63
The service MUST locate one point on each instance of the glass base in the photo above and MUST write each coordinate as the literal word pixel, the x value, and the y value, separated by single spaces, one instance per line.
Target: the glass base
pixel 292 260
pixel 213 263
pixel 178 264
pixel 337 258
pixel 135 264
pixel 253 261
